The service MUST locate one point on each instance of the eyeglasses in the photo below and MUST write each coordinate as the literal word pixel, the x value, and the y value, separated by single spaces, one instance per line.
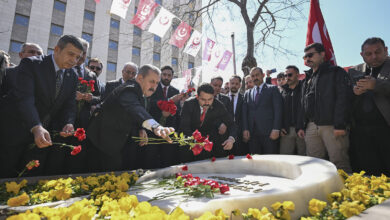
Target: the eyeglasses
pixel 309 55
pixel 288 75
pixel 95 68
pixel 130 72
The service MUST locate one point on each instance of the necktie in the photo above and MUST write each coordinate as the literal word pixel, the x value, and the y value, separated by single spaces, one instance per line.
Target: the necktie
pixel 79 71
pixel 232 103
pixel 202 116
pixel 165 91
pixel 257 94
pixel 58 82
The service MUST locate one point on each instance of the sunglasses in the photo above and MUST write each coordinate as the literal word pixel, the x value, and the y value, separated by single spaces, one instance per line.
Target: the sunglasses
pixel 288 75
pixel 309 55
pixel 95 68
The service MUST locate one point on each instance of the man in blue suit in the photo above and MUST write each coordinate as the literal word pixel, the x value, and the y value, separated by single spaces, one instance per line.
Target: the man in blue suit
pixel 262 115
pixel 45 95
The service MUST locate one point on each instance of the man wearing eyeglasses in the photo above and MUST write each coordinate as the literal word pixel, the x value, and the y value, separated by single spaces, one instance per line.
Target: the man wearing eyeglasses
pixel 326 98
pixel 290 143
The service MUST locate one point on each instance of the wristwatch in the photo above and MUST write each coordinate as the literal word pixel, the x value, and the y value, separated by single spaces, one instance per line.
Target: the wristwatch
pixel 155 126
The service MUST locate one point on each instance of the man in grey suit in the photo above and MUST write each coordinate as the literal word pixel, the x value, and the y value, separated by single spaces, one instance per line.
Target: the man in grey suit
pixel 262 115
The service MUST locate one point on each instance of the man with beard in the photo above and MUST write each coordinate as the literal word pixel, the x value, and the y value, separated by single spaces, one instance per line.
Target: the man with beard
pixel 262 115
pixel 370 144
pixel 235 110
pixel 122 112
pixel 201 113
pixel 290 142
pixel 163 155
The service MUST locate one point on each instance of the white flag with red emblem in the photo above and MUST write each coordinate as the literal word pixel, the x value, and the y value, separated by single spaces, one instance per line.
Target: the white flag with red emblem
pixel 119 7
pixel 216 55
pixel 224 60
pixel 161 23
pixel 181 35
pixel 208 49
pixel 194 44
pixel 144 13
pixel 198 72
pixel 187 76
pixel 317 31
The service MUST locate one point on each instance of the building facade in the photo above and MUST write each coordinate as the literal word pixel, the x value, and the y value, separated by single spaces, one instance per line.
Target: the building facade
pixel 112 39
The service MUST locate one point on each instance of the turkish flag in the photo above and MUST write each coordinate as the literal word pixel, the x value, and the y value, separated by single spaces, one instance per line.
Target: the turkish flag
pixel 317 31
pixel 181 35
pixel 144 13
pixel 224 60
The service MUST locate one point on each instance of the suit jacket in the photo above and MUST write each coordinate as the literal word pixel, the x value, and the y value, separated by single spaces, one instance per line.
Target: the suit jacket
pixel 110 86
pixel 382 87
pixel 121 112
pixel 237 116
pixel 8 86
pixel 155 111
pixel 225 100
pixel 264 115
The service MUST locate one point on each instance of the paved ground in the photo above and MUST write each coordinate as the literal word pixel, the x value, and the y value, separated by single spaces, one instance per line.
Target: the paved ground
pixel 378 212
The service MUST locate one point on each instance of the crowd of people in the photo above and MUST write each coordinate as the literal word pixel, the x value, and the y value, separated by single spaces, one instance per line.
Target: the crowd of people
pixel 330 114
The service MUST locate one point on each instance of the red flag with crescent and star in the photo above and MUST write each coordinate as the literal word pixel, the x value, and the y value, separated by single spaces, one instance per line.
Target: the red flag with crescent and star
pixel 181 35
pixel 317 31
pixel 144 13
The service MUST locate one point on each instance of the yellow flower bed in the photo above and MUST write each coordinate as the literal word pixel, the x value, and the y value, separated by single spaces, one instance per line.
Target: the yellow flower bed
pixel 110 200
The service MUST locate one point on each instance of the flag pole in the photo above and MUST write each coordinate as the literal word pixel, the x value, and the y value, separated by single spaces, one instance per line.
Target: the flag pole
pixel 234 55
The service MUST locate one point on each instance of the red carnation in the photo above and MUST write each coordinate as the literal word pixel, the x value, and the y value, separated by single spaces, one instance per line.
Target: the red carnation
pixel 213 159
pixel 231 157
pixel 223 188
pixel 208 146
pixel 197 149
pixel 80 134
pixel 167 106
pixel 249 156
pixel 84 82
pixel 91 82
pixel 178 174
pixel 184 168
pixel 34 163
pixel 80 79
pixel 197 135
pixel 76 150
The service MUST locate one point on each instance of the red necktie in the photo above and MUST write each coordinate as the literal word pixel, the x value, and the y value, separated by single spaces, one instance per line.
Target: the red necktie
pixel 165 92
pixel 203 115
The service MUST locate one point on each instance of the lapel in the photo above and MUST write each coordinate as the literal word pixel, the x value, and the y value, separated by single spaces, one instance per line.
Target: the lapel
pixel 49 76
pixel 170 92
pixel 196 113
pixel 208 113
pixel 262 91
pixel 385 71
pixel 238 105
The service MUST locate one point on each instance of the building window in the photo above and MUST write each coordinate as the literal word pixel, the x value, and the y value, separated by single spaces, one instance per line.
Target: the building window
pixel 111 67
pixel 88 15
pixel 156 56
pixel 114 23
pixel 190 65
pixel 50 51
pixel 21 20
pixel 157 38
pixel 136 51
pixel 137 31
pixel 87 37
pixel 174 61
pixel 56 30
pixel 113 45
pixel 60 6
pixel 15 47
pixel 158 2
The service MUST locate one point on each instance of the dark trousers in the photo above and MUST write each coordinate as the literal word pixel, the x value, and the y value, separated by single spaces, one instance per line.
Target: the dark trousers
pixel 370 149
pixel 262 144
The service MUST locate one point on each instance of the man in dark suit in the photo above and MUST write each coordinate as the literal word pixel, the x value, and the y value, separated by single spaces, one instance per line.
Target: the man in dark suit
pixel 122 112
pixel 45 97
pixel 205 113
pixel 128 72
pixel 262 115
pixel 235 110
pixel 96 65
pixel 163 155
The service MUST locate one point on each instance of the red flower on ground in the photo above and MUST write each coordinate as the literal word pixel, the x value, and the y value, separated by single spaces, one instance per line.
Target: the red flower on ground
pixel 213 159
pixel 197 135
pixel 184 168
pixel 76 150
pixel 197 149
pixel 208 145
pixel 223 188
pixel 249 156
pixel 34 163
pixel 231 157
pixel 178 174
pixel 80 134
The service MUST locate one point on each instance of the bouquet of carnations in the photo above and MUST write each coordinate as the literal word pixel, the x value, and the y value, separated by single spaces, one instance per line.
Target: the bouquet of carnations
pixel 166 106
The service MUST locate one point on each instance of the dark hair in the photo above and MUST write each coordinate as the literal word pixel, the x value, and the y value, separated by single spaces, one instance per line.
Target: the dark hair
pixel 256 68
pixel 280 76
pixel 217 77
pixel 235 77
pixel 293 67
pixel 167 68
pixel 317 46
pixel 205 87
pixel 373 40
pixel 95 59
pixel 70 39
pixel 144 70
